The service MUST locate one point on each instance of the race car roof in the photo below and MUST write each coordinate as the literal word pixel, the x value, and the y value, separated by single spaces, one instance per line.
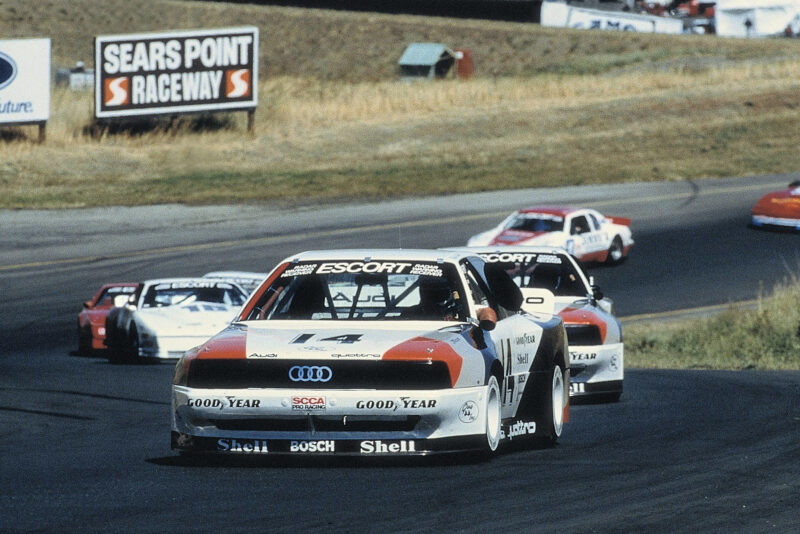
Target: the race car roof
pixel 562 211
pixel 382 254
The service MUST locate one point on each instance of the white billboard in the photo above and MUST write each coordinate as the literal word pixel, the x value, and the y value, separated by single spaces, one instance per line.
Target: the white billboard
pixel 561 15
pixel 24 80
pixel 176 72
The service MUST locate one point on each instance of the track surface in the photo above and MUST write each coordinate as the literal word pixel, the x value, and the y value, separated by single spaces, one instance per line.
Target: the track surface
pixel 84 445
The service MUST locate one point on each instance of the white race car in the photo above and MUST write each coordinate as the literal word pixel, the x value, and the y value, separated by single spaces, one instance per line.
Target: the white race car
pixel 585 233
pixel 376 353
pixel 164 318
pixel 594 333
pixel 246 279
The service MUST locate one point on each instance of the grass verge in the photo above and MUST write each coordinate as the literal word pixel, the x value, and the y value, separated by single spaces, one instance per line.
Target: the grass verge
pixel 765 338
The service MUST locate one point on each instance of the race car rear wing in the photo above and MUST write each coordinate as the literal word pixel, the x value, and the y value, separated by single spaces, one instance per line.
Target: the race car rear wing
pixel 625 221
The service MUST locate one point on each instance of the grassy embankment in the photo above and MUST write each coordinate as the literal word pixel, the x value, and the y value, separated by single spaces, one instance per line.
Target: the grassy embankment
pixel 547 107
pixel 765 338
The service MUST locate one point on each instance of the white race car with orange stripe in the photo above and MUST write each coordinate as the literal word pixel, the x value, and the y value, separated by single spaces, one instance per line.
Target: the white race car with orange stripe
pixel 376 352
pixel 585 233
pixel 593 332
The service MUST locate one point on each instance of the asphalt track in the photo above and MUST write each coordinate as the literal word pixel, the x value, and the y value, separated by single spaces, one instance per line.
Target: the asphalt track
pixel 84 445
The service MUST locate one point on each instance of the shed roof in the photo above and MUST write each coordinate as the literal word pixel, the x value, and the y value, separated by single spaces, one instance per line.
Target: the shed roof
pixel 424 54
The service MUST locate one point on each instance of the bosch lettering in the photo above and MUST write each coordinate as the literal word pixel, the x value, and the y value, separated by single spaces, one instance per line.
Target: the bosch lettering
pixel 312 446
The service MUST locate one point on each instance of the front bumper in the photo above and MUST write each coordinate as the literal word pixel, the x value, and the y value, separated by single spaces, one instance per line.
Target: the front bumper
pixel 596 369
pixel 328 422
pixel 775 222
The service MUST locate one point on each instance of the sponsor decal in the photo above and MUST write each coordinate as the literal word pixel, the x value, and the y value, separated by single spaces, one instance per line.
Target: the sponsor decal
pixel 521 428
pixel 523 358
pixel 356 355
pixel 8 70
pixel 256 355
pixel 525 339
pixel 577 387
pixel 167 72
pixel 229 402
pixel 393 404
pixel 363 267
pixel 521 379
pixel 247 446
pixel 582 356
pixel 308 404
pixel 299 270
pixel 116 290
pixel 387 447
pixel 310 373
pixel 192 285
pixel 468 412
pixel 312 446
pixel 427 270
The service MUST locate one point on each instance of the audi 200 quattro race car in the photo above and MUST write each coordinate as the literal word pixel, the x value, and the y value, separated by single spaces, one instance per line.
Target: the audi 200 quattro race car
pixel 585 233
pixel 92 318
pixel 593 332
pixel 779 209
pixel 164 318
pixel 375 352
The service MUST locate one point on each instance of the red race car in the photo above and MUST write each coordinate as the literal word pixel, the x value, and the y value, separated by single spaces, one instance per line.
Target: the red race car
pixel 779 209
pixel 92 318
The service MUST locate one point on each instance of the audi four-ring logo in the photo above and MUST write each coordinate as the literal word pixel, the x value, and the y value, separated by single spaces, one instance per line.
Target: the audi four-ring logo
pixel 310 373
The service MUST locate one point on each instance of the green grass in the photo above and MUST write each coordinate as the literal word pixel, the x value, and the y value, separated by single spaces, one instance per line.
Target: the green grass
pixel 765 338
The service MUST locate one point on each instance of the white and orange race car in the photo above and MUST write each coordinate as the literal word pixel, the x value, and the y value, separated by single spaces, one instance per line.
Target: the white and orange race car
pixel 376 353
pixel 585 233
pixel 778 210
pixel 594 333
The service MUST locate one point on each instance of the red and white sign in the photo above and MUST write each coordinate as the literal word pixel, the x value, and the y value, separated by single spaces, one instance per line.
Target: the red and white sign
pixel 156 73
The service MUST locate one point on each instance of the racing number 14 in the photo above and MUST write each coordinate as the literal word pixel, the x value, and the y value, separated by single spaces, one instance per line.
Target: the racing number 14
pixel 344 338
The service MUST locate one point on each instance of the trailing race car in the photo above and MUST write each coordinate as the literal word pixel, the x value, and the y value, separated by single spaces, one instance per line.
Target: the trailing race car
pixel 585 233
pixel 779 209
pixel 164 318
pixel 594 333
pixel 92 318
pixel 376 353
pixel 246 279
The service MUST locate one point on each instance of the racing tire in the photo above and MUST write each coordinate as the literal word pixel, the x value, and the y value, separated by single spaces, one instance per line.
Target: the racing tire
pixel 553 416
pixel 493 417
pixel 615 251
pixel 131 350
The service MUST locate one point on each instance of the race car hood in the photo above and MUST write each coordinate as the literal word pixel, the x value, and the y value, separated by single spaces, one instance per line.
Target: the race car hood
pixel 364 341
pixel 193 319
pixel 780 204
pixel 515 237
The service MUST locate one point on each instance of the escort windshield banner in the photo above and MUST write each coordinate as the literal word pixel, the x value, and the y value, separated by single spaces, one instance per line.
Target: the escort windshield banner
pixel 176 72
pixel 24 81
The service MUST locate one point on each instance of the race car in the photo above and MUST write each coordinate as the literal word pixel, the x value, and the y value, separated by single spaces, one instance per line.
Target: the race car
pixel 585 233
pixel 593 332
pixel 779 209
pixel 376 353
pixel 92 318
pixel 245 279
pixel 166 317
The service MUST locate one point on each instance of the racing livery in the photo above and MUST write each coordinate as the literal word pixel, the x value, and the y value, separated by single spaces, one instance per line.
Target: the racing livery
pixel 166 317
pixel 92 318
pixel 585 233
pixel 376 353
pixel 593 332
pixel 779 209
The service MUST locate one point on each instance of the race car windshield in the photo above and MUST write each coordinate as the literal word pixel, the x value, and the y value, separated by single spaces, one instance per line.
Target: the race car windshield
pixel 536 222
pixel 544 271
pixel 357 290
pixel 176 294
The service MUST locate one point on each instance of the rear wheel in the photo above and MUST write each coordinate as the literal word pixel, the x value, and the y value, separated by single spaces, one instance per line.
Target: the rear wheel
pixel 493 417
pixel 615 251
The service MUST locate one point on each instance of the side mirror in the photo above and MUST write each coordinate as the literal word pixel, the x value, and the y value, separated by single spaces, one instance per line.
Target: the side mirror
pixel 87 304
pixel 487 320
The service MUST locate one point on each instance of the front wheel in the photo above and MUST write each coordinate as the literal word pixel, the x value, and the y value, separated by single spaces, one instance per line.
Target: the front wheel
pixel 553 421
pixel 493 417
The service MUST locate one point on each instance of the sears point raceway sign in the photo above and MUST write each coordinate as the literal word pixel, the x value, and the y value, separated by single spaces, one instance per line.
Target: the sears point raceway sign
pixel 24 80
pixel 188 71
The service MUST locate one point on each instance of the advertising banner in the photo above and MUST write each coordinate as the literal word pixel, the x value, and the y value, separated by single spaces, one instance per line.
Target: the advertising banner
pixel 176 72
pixel 24 81
pixel 559 14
